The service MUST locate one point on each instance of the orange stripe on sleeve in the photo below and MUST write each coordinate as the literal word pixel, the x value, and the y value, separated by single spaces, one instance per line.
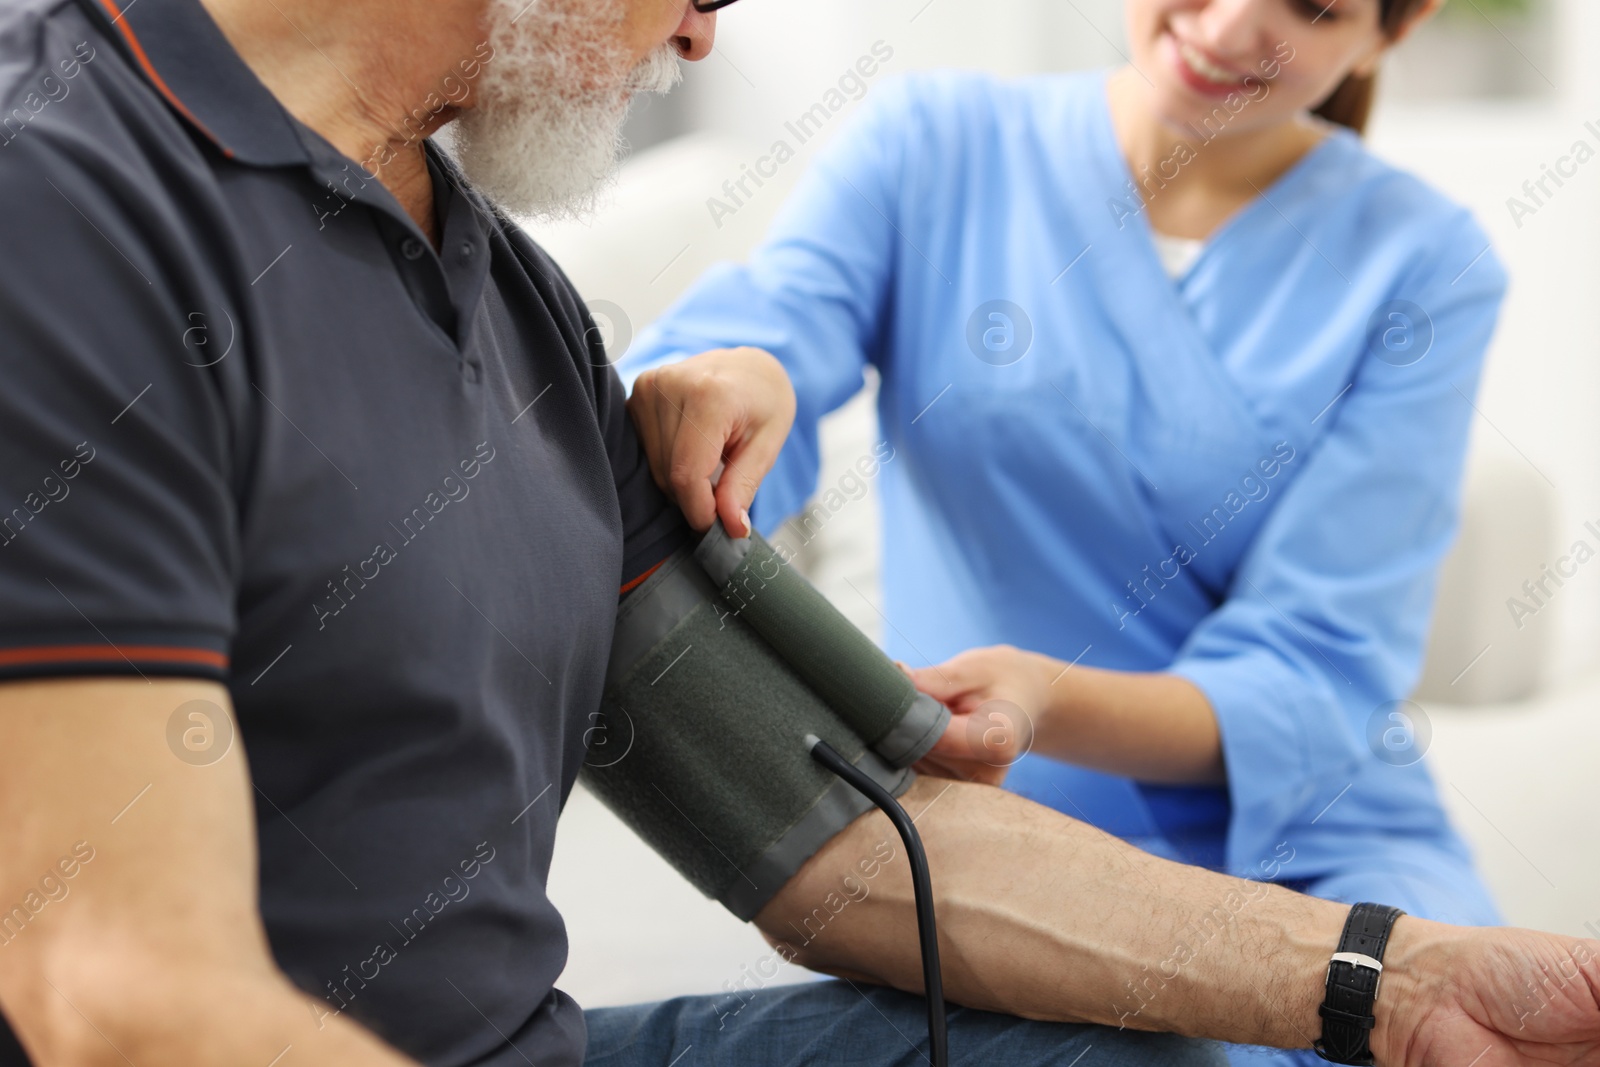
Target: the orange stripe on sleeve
pixel 12 657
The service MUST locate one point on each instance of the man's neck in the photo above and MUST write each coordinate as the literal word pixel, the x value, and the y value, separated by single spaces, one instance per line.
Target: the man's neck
pixel 365 74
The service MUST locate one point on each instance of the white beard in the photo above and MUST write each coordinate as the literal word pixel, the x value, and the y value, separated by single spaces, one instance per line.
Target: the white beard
pixel 545 133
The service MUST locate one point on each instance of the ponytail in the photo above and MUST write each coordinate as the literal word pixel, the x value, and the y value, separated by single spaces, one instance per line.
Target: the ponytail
pixel 1351 103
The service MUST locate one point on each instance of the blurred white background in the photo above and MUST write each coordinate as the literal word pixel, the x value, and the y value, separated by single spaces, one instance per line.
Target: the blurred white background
pixel 1477 103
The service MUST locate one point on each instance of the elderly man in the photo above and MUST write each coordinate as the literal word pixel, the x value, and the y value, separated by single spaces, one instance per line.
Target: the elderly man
pixel 318 497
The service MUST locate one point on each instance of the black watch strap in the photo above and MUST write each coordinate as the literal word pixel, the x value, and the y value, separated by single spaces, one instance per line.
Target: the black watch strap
pixel 1354 973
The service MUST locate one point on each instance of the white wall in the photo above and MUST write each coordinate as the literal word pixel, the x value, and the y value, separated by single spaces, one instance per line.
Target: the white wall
pixel 776 57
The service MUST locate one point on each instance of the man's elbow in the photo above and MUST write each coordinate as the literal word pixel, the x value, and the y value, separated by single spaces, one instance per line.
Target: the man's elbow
pixel 112 1006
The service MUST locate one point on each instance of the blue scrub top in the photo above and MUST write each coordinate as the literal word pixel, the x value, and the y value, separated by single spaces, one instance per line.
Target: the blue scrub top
pixel 1247 477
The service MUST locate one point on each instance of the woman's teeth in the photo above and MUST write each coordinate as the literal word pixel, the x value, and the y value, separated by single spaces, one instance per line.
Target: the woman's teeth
pixel 1205 68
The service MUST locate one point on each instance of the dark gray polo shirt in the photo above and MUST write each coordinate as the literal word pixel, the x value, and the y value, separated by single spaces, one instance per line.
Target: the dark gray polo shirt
pixel 253 428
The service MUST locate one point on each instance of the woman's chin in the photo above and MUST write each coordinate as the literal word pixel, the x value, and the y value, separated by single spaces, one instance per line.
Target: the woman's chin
pixel 1178 113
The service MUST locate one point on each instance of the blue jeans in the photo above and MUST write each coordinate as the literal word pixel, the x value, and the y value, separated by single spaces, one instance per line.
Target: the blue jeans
pixel 845 1023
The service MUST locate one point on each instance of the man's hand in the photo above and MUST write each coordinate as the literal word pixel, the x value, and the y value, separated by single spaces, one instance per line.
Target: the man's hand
pixel 728 410
pixel 1489 997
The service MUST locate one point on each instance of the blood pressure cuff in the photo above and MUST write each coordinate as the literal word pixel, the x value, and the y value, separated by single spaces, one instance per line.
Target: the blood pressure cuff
pixel 723 661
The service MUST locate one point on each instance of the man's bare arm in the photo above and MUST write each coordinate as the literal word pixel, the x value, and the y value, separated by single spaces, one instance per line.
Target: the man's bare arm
pixel 128 890
pixel 1048 918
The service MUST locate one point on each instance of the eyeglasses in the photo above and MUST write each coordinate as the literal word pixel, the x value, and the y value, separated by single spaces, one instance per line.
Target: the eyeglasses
pixel 704 6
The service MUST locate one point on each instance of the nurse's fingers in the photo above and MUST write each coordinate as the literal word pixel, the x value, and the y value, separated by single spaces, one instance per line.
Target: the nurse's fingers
pixel 683 455
pixel 955 755
pixel 727 408
pixel 696 453
pixel 945 682
pixel 748 461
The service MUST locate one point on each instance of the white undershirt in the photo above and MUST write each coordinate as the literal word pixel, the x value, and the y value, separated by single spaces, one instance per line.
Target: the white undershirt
pixel 1177 253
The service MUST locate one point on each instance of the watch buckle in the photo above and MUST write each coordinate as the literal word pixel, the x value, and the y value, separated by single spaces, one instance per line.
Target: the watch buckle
pixel 1360 959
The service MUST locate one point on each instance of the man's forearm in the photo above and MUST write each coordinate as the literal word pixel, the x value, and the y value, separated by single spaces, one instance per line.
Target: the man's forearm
pixel 1049 918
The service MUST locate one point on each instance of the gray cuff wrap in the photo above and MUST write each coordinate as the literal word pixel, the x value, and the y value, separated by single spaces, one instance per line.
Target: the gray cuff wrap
pixel 705 715
pixel 838 661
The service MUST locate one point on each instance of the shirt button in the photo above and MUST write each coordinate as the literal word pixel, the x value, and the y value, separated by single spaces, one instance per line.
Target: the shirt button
pixel 470 371
pixel 411 248
pixel 466 249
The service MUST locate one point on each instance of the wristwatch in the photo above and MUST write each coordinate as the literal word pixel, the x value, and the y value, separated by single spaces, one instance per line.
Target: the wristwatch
pixel 1354 974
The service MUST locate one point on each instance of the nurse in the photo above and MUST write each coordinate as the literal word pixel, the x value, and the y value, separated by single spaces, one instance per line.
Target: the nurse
pixel 1178 379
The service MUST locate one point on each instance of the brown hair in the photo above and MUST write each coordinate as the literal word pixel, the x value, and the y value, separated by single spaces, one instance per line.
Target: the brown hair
pixel 1351 103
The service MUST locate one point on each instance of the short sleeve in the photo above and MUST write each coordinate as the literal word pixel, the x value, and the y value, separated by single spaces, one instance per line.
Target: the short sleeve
pixel 652 526
pixel 118 532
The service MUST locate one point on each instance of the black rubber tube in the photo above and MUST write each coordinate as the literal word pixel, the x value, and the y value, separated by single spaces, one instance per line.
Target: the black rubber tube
pixel 921 884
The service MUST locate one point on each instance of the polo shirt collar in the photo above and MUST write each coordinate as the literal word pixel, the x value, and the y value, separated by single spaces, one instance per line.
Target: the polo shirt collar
pixel 189 61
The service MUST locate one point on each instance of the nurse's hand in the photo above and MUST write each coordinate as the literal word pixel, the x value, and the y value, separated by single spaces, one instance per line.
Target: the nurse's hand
pixel 1149 726
pixel 995 696
pixel 724 411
